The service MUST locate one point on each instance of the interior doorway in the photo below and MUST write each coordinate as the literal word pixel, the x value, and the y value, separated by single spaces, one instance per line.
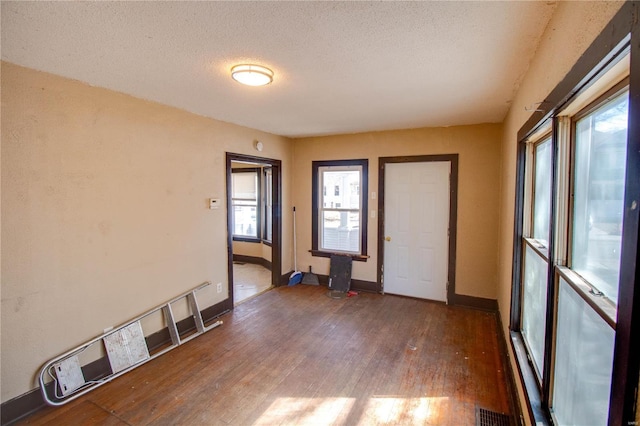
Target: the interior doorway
pixel 253 225
pixel 417 226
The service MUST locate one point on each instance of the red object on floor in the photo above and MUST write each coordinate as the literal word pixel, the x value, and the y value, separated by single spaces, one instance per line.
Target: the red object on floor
pixel 351 293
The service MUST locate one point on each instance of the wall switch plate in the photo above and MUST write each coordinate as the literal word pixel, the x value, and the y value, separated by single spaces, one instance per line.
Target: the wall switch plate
pixel 214 203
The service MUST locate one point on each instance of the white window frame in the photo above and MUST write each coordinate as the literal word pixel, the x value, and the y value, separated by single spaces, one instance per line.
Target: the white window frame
pixel 338 207
pixel 256 204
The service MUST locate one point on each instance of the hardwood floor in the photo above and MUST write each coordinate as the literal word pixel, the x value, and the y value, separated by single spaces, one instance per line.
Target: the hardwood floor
pixel 293 356
pixel 249 280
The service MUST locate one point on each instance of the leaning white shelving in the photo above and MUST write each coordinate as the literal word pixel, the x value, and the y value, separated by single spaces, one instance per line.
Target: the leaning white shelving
pixel 126 348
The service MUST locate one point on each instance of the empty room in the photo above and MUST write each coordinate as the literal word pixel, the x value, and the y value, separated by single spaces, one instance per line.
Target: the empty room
pixel 320 212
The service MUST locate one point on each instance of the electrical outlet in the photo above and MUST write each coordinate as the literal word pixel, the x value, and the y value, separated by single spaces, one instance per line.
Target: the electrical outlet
pixel 108 329
pixel 219 287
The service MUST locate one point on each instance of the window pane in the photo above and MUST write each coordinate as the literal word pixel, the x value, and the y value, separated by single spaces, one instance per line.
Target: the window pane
pixel 268 193
pixel 534 305
pixel 245 185
pixel 600 156
pixel 340 231
pixel 244 219
pixel 542 192
pixel 341 192
pixel 583 364
pixel 339 215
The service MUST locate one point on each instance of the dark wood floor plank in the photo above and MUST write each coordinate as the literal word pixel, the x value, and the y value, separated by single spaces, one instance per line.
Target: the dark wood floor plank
pixel 294 356
pixel 80 412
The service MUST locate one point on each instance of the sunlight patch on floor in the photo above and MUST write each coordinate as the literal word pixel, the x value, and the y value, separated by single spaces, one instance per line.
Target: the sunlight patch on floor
pixel 376 410
pixel 396 410
pixel 301 411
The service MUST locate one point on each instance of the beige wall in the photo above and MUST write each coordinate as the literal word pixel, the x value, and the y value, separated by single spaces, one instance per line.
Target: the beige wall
pixel 105 212
pixel 571 30
pixel 262 250
pixel 478 147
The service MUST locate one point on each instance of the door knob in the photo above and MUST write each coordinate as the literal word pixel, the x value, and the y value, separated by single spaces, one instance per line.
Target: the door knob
pixel 387 238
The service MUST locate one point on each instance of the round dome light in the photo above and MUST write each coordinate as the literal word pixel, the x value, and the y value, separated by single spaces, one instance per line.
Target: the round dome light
pixel 252 75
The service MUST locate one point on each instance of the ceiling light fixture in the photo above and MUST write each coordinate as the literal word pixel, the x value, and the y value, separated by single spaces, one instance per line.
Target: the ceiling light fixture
pixel 252 75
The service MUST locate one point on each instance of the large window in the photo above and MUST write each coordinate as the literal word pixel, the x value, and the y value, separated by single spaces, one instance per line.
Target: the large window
pixel 588 284
pixel 252 203
pixel 340 207
pixel 573 180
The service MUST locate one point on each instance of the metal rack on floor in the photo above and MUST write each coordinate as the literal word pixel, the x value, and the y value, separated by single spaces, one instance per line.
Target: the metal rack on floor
pixel 126 348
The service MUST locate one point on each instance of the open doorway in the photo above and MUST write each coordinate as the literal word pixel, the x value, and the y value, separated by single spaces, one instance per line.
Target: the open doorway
pixel 254 225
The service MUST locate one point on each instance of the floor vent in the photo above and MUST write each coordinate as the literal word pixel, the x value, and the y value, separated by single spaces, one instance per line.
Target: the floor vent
pixel 491 418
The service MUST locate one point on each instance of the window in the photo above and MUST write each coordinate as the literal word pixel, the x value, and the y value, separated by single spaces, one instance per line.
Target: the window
pixel 588 285
pixel 572 175
pixel 252 202
pixel 542 192
pixel 600 157
pixel 583 362
pixel 340 218
pixel 245 200
pixel 536 259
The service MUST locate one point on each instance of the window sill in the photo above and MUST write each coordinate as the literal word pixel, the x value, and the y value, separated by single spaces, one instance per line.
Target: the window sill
pixel 246 239
pixel 529 382
pixel 355 257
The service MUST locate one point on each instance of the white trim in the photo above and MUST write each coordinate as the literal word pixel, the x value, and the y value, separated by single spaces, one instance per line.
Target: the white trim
pixel 321 209
pixel 615 75
pixel 527 219
pixel 540 132
pixel 563 185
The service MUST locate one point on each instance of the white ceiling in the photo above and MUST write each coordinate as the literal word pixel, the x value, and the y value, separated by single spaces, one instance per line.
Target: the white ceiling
pixel 340 67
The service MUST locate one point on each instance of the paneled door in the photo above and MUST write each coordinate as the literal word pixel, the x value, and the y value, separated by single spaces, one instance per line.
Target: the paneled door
pixel 416 229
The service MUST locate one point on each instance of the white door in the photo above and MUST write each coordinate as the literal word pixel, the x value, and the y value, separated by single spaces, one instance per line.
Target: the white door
pixel 416 226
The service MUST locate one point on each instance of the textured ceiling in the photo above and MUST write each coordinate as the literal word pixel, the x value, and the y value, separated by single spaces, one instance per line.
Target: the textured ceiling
pixel 340 67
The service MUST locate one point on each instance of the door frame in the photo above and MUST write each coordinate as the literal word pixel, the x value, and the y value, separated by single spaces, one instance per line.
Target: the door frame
pixel 276 218
pixel 453 213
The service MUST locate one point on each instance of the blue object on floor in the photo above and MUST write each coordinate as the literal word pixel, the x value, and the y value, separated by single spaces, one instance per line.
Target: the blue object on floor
pixel 295 278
